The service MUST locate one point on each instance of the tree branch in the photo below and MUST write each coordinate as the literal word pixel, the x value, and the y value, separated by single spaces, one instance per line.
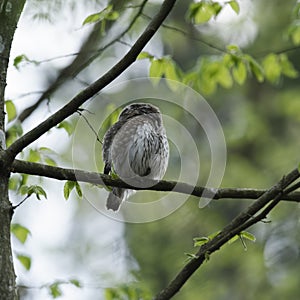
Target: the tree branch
pixel 233 228
pixel 82 60
pixel 165 186
pixel 98 85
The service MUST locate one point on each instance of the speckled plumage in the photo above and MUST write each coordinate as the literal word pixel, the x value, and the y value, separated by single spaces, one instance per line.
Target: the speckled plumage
pixel 136 147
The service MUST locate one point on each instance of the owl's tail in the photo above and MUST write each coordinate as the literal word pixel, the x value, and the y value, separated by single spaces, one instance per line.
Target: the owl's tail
pixel 115 198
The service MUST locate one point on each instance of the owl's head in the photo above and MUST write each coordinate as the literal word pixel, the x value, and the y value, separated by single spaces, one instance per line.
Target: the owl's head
pixel 138 109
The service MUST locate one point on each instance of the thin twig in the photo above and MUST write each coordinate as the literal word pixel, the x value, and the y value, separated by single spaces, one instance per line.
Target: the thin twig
pixel 90 126
pixel 19 204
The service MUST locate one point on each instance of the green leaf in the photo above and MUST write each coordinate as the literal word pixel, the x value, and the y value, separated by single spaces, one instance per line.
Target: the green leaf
pixel 233 49
pixel 224 77
pixel 296 10
pixel 201 12
pixel 14 132
pixel 24 178
pixel 191 256
pixel 24 189
pixel 214 234
pixel 49 161
pixel 34 156
pixel 272 67
pixel 170 70
pixel 10 110
pixel 66 190
pixel 156 69
pixel 217 7
pixel 23 59
pixel 144 55
pixel 239 72
pixel 113 114
pixel 164 67
pixel 255 68
pixel 199 241
pixel 68 187
pixel 242 236
pixel 296 36
pixel 105 14
pixel 229 60
pixel 67 126
pixel 25 261
pixel 287 67
pixel 248 236
pixel 45 152
pixel 76 283
pixel 78 189
pixel 235 6
pixel 14 182
pixel 109 294
pixel 92 18
pixel 20 232
pixel 207 85
pixel 190 78
pixel 39 191
pixel 18 129
pixel 18 59
pixel 233 239
pixel 294 33
pixel 33 189
pixel 112 16
pixel 208 75
pixel 55 290
pixel 171 73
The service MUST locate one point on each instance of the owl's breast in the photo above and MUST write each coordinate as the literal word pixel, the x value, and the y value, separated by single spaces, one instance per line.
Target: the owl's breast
pixel 140 150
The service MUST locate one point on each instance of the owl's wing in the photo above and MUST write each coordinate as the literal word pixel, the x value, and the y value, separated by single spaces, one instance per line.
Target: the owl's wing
pixel 107 141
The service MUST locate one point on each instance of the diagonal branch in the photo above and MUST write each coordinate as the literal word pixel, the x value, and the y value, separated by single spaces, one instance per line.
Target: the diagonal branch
pixel 102 179
pixel 98 85
pixel 233 228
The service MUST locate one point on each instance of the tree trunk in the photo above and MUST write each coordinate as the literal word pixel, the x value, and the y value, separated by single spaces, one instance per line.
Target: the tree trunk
pixel 10 12
pixel 7 274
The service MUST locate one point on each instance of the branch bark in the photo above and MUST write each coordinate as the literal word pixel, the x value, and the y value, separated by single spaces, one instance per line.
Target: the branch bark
pixel 241 222
pixel 98 85
pixel 166 186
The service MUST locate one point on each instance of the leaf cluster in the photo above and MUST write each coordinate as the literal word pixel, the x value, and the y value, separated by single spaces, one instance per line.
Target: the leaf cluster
pixel 203 11
pixel 211 72
pixel 107 14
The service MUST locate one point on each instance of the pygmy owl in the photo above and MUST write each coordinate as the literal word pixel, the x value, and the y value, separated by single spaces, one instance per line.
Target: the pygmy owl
pixel 136 148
